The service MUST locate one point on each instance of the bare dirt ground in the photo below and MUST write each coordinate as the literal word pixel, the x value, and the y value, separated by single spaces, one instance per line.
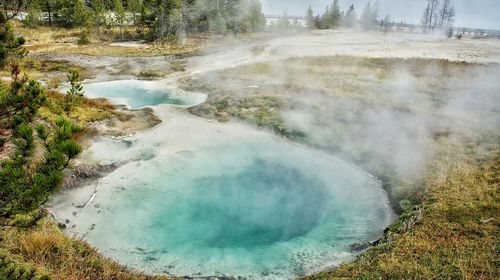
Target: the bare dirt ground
pixel 226 52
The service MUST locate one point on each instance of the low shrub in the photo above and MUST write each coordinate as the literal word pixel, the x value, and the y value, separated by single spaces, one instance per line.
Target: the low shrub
pixel 83 39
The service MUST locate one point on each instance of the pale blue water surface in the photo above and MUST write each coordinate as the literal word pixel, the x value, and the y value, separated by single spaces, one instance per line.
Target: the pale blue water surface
pixel 254 209
pixel 138 94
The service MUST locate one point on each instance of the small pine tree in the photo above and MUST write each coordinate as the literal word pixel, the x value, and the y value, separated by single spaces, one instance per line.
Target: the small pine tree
pixel 317 22
pixel 98 17
pixel 218 25
pixel 83 39
pixel 135 7
pixel 350 17
pixel 255 19
pixel 336 15
pixel 310 18
pixel 326 19
pixel 28 181
pixel 75 92
pixel 74 81
pixel 120 17
pixel 20 101
pixel 34 16
pixel 10 45
pixel 367 22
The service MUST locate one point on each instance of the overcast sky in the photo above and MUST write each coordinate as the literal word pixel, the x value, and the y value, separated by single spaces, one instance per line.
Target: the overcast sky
pixel 470 13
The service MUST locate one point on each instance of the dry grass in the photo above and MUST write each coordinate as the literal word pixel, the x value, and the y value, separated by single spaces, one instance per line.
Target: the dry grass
pixel 40 69
pixel 45 34
pixel 49 251
pixel 458 237
pixel 64 41
pixel 90 111
pixel 361 78
pixel 105 49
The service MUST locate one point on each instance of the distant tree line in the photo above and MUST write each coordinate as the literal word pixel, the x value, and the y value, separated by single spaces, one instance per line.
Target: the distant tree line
pixel 333 17
pixel 153 19
pixel 439 15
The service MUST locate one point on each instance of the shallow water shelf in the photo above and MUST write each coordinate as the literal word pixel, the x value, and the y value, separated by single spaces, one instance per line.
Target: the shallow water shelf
pixel 138 94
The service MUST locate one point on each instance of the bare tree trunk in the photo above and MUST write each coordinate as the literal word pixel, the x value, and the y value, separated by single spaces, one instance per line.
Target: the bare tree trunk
pixel 161 24
pixel 98 30
pixel 444 12
pixel 49 11
pixel 427 15
pixel 431 14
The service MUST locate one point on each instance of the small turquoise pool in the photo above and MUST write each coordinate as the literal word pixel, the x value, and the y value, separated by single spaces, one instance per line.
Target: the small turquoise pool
pixel 138 94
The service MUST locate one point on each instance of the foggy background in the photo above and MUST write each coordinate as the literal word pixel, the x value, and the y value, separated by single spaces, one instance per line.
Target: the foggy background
pixel 470 13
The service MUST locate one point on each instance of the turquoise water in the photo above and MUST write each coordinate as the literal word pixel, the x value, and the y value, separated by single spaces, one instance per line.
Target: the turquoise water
pixel 138 94
pixel 253 208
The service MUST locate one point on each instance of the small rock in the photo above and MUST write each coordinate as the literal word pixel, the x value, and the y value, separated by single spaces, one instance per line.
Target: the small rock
pixel 357 247
pixel 151 259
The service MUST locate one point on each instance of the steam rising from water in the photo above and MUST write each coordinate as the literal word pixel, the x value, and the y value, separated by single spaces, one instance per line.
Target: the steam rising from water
pixel 389 115
pixel 242 207
pixel 255 206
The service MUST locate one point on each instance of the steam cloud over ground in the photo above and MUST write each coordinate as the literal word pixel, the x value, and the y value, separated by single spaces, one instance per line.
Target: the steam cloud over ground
pixel 353 119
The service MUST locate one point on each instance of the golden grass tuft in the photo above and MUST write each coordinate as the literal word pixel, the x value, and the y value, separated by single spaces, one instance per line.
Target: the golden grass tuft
pixel 61 257
pixel 41 246
pixel 91 110
pixel 88 114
